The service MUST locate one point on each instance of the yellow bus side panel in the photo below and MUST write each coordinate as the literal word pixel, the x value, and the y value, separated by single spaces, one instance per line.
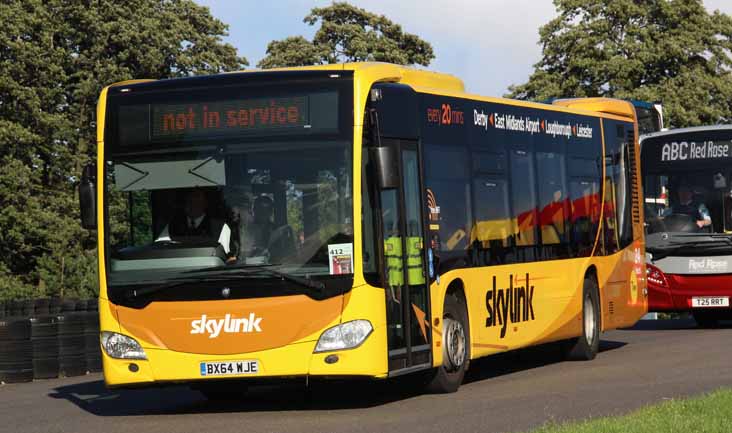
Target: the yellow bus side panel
pixel 548 308
pixel 623 295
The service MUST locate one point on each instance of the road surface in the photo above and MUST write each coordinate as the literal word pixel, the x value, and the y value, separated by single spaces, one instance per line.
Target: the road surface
pixel 654 361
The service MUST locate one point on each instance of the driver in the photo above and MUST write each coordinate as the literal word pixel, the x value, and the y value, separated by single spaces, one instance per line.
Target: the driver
pixel 688 206
pixel 195 221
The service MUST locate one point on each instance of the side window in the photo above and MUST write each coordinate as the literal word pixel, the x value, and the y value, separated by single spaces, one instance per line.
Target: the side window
pixel 584 197
pixel 447 179
pixel 610 240
pixel 523 203
pixel 553 203
pixel 492 233
pixel 618 229
pixel 630 178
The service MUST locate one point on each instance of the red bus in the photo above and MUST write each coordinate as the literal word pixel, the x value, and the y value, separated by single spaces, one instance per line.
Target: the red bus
pixel 687 178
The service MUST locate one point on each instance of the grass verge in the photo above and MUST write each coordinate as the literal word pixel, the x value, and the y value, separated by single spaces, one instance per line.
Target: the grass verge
pixel 711 413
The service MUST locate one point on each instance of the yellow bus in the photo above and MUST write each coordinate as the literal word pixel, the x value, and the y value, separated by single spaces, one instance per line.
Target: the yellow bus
pixel 355 220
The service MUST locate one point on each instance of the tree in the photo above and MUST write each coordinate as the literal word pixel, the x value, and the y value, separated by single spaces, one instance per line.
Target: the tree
pixel 348 34
pixel 55 57
pixel 672 51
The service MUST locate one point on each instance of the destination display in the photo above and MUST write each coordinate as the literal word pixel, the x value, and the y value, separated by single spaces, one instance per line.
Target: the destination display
pixel 683 150
pixel 228 116
pixel 660 154
pixel 185 119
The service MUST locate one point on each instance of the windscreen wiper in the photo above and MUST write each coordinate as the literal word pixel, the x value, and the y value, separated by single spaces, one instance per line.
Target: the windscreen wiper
pixel 191 277
pixel 225 274
pixel 136 293
pixel 246 270
pixel 304 281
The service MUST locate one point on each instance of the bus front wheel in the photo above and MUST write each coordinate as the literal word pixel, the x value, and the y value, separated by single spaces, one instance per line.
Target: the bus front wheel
pixel 455 347
pixel 586 346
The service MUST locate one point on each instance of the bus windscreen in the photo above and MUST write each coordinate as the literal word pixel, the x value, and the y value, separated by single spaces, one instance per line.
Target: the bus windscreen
pixel 688 183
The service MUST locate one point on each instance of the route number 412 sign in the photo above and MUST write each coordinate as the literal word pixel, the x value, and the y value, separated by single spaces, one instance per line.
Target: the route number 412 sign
pixel 340 258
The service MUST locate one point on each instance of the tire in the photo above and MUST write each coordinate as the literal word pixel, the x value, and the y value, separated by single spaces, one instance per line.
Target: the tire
pixel 93 351
pixel 72 365
pixel 16 351
pixel 45 347
pixel 68 305
pixel 16 372
pixel 93 363
pixel 45 368
pixel 586 346
pixel 706 319
pixel 92 305
pixel 91 323
pixel 71 345
pixel 455 348
pixel 44 326
pixel 14 328
pixel 70 324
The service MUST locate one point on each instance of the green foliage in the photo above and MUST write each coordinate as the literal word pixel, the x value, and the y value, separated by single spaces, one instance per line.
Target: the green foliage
pixel 55 57
pixel 672 51
pixel 348 34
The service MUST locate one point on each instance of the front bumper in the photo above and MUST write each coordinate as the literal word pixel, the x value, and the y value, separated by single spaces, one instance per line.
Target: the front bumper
pixel 294 360
pixel 682 288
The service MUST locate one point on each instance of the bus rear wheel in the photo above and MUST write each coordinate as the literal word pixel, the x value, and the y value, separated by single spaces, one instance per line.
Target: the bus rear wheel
pixel 586 346
pixel 455 348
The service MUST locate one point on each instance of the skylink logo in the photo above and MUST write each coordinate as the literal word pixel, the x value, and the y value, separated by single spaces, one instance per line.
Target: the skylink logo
pixel 228 324
pixel 514 304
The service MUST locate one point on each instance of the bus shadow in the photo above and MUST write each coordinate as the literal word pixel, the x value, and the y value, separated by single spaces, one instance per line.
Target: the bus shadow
pixel 93 397
pixel 520 360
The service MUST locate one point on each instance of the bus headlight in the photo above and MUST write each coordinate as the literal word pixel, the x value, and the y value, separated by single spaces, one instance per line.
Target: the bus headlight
pixel 344 336
pixel 121 346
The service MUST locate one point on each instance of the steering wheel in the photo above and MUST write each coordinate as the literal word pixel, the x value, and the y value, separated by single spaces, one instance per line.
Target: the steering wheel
pixel 679 222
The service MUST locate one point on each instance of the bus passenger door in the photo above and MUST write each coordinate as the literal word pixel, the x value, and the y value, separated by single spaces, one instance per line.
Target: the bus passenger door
pixel 407 300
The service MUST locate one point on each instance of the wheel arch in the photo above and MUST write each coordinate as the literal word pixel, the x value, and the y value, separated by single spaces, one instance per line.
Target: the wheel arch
pixel 591 272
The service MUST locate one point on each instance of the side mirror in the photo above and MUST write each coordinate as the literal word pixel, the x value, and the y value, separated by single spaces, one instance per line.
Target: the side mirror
pixel 88 198
pixel 386 166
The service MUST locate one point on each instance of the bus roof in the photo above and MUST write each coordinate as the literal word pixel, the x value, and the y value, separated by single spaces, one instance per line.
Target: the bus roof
pixel 422 81
pixel 386 72
pixel 641 104
pixel 670 132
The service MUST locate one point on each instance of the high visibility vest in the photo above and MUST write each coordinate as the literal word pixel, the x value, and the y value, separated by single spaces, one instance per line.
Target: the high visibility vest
pixel 394 261
pixel 415 270
pixel 393 256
